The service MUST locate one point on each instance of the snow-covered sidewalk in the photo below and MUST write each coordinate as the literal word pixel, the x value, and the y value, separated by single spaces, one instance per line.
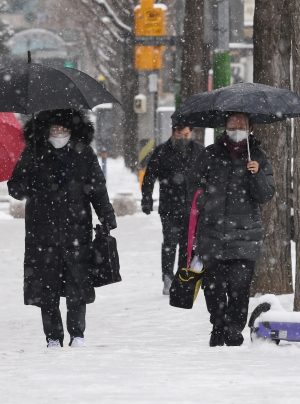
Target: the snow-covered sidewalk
pixel 139 348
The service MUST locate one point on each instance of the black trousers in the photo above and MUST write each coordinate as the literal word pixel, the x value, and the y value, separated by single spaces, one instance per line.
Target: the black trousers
pixel 226 287
pixel 175 231
pixel 76 311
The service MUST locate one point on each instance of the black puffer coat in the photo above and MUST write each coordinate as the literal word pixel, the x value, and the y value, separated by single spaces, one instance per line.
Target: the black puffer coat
pixel 171 168
pixel 230 225
pixel 58 216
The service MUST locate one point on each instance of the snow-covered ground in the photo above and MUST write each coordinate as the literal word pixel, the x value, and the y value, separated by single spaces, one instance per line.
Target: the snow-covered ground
pixel 140 349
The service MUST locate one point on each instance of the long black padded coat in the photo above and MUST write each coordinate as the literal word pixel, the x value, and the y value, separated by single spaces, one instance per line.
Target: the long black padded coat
pixel 230 224
pixel 171 168
pixel 58 215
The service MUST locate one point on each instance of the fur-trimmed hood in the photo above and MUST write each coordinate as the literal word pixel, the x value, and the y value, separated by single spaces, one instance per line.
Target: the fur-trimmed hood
pixel 82 129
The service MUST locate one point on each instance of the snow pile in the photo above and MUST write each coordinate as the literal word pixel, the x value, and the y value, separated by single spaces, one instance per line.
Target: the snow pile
pixel 277 313
pixel 272 300
pixel 5 216
pixel 267 347
pixel 121 180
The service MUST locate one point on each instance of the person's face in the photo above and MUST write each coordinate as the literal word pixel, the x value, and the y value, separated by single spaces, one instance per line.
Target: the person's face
pixel 184 133
pixel 55 129
pixel 238 122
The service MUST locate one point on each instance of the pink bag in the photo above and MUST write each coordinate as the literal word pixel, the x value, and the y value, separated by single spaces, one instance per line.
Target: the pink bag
pixel 194 216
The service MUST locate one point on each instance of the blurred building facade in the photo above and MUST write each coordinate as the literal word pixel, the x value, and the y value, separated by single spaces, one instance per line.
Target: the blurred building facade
pixel 48 40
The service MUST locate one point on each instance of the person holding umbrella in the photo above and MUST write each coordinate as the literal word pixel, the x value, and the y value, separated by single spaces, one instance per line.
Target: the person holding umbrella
pixel 235 176
pixel 59 176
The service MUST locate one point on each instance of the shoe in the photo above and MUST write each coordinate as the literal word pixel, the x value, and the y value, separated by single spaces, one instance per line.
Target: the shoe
pixel 167 284
pixel 234 339
pixel 77 342
pixel 53 343
pixel 217 336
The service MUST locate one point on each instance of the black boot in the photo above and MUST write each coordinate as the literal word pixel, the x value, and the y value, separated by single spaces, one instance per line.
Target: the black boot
pixel 217 336
pixel 233 337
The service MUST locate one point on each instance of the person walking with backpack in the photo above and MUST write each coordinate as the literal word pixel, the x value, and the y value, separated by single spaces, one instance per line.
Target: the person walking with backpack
pixel 229 233
pixel 60 186
pixel 170 163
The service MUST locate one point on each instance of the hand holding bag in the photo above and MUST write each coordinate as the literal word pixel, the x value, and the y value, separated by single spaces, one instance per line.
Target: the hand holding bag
pixel 106 266
pixel 187 281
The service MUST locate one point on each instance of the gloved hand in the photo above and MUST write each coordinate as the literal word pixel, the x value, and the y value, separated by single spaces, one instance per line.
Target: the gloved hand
pixel 110 220
pixel 147 209
pixel 112 224
pixel 147 205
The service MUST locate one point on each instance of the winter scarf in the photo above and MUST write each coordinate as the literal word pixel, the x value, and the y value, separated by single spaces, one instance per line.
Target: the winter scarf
pixel 235 149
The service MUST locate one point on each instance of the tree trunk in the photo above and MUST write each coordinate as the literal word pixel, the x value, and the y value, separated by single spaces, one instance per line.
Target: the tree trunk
pixel 296 148
pixel 272 39
pixel 129 88
pixel 195 57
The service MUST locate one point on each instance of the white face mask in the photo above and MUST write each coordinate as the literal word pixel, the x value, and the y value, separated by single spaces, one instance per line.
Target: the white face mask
pixel 237 135
pixel 59 140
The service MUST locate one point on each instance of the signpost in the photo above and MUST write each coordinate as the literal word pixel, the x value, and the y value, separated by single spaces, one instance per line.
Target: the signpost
pixel 150 40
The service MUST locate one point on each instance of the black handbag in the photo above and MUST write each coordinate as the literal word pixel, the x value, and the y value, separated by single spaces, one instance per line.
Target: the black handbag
pixel 185 288
pixel 187 281
pixel 106 266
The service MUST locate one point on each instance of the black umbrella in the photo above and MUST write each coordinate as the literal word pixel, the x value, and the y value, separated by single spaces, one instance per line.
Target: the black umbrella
pixel 32 87
pixel 265 104
pixel 27 88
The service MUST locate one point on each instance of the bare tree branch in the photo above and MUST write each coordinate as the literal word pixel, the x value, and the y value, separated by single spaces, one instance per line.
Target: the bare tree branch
pixel 111 14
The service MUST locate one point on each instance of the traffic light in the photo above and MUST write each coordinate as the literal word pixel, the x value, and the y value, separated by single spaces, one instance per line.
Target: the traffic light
pixel 150 21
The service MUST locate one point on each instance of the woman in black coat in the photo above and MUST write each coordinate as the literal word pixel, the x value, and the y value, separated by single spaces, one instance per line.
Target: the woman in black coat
pixel 229 233
pixel 59 192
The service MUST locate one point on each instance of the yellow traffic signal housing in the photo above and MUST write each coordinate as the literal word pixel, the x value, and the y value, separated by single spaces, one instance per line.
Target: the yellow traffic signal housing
pixel 150 20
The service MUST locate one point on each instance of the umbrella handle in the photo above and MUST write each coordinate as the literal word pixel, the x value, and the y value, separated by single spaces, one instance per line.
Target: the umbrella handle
pixel 34 142
pixel 33 126
pixel 248 146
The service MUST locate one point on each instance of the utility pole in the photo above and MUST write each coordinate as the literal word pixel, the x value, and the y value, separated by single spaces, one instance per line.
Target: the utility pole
pixel 150 21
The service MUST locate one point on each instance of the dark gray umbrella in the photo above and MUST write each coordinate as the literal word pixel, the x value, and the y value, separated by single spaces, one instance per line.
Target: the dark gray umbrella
pixel 31 87
pixel 265 104
pixel 27 88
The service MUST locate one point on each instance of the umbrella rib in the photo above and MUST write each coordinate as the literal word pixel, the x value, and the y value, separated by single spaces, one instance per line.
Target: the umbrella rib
pixel 267 102
pixel 211 106
pixel 282 100
pixel 108 93
pixel 4 147
pixel 70 78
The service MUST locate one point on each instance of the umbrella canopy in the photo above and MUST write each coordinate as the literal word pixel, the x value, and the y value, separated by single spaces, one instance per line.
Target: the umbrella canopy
pixel 31 87
pixel 11 144
pixel 265 104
